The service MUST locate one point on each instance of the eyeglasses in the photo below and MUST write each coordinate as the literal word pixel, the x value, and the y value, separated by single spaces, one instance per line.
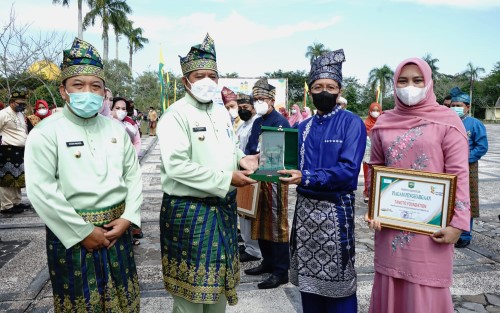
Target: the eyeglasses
pixel 329 88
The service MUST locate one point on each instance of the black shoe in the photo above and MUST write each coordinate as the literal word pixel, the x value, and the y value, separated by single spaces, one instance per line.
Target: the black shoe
pixel 14 210
pixel 241 248
pixel 240 239
pixel 365 200
pixel 24 206
pixel 273 282
pixel 138 235
pixel 461 243
pixel 259 270
pixel 245 257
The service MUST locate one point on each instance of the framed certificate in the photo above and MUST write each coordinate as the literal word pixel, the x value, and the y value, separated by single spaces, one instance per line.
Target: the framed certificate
pixel 247 200
pixel 411 200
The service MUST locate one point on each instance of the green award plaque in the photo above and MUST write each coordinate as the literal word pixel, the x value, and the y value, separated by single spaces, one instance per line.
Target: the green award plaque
pixel 279 149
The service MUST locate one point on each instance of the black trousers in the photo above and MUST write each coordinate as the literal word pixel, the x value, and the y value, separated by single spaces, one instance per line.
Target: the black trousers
pixel 275 256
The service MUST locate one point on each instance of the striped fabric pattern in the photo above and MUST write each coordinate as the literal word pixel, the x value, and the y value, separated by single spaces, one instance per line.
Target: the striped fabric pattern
pixel 199 248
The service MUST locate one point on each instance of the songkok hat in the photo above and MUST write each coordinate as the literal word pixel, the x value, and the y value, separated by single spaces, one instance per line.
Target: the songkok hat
pixel 244 98
pixel 263 89
pixel 81 59
pixel 227 95
pixel 200 57
pixel 329 66
pixel 458 95
pixel 18 94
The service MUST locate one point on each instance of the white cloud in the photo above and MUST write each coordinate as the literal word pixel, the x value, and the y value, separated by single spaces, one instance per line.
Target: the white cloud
pixel 235 29
pixel 470 4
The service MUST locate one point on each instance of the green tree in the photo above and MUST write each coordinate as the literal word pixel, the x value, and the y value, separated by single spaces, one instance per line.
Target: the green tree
pixel 382 77
pixel 432 63
pixel 135 41
pixel 230 75
pixel 120 25
pixel 472 72
pixel 118 78
pixel 80 15
pixel 351 90
pixel 315 50
pixel 146 91
pixel 296 81
pixel 106 10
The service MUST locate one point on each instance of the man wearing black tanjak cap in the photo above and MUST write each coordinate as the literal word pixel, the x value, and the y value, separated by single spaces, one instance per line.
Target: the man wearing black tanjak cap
pixel 331 145
pixel 270 226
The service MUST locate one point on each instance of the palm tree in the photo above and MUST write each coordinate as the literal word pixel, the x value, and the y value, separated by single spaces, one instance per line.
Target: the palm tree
pixel 382 77
pixel 473 74
pixel 316 50
pixel 432 63
pixel 135 41
pixel 107 11
pixel 120 24
pixel 80 23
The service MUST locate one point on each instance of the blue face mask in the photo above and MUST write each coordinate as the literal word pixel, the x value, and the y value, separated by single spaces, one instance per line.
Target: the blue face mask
pixel 459 110
pixel 85 104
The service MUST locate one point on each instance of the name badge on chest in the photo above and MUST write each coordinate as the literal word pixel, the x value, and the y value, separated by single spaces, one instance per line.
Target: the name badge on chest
pixel 199 129
pixel 74 143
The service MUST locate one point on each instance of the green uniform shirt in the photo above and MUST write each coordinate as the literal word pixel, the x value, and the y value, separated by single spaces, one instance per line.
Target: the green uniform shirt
pixel 74 163
pixel 199 149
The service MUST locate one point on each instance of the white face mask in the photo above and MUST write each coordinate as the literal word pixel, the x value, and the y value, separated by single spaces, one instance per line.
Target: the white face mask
pixel 261 107
pixel 120 114
pixel 294 111
pixel 42 112
pixel 233 113
pixel 411 95
pixel 375 114
pixel 203 90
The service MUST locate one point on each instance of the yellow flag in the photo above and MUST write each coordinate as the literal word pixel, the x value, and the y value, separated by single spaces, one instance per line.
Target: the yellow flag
pixel 306 88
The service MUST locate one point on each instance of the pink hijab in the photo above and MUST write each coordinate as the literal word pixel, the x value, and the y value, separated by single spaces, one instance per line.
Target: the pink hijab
pixel 306 114
pixel 425 112
pixel 297 117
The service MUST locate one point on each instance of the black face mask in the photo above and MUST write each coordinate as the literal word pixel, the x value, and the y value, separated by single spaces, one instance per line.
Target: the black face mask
pixel 20 107
pixel 245 114
pixel 324 101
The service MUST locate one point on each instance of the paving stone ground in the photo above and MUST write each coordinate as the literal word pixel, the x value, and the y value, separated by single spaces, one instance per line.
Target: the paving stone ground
pixel 25 285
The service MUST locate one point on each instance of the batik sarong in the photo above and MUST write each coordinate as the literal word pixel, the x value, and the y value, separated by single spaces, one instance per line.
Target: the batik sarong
pixel 12 166
pixel 271 220
pixel 473 188
pixel 104 280
pixel 199 248
pixel 322 246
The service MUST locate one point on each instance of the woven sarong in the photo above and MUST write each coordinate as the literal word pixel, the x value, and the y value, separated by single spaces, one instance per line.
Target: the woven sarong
pixel 12 166
pixel 271 220
pixel 322 246
pixel 199 248
pixel 473 188
pixel 104 280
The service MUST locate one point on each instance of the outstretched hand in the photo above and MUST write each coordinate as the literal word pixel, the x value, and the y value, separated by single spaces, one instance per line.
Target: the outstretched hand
pixel 294 178
pixel 250 162
pixel 240 178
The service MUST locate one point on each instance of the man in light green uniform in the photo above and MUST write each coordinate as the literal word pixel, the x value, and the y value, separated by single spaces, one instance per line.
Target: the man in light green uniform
pixel 199 172
pixel 83 178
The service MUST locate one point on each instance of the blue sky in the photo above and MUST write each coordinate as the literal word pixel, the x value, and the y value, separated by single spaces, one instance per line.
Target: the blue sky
pixel 257 36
